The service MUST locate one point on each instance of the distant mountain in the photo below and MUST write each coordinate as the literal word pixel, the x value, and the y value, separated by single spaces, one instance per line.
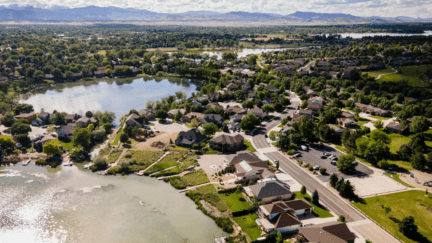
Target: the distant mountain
pixel 198 13
pixel 314 16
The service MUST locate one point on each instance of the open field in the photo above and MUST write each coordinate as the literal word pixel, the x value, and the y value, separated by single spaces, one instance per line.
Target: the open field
pixel 210 195
pixel 190 160
pixel 161 137
pixel 168 161
pixel 114 156
pixel 396 141
pixel 318 210
pixel 190 179
pixel 413 74
pixel 403 204
pixel 66 146
pixel 235 201
pixel 143 158
pixel 248 225
pixel 377 73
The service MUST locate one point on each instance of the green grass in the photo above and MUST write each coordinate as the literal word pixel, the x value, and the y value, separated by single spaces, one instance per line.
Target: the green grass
pixel 66 146
pixel 318 210
pixel 248 225
pixel 190 179
pixel 168 161
pixel 249 146
pixel 104 152
pixel 190 160
pixel 210 195
pixel 281 125
pixel 361 121
pixel 235 201
pixel 178 148
pixel 143 158
pixel 380 117
pixel 377 73
pixel 396 141
pixel 117 138
pixel 403 204
pixel 413 74
pixel 115 154
pixel 396 178
pixel 210 150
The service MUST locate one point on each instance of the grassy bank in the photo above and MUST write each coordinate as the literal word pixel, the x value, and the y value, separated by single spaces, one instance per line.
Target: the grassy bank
pixel 190 179
pixel 413 74
pixel 248 225
pixel 235 201
pixel 167 162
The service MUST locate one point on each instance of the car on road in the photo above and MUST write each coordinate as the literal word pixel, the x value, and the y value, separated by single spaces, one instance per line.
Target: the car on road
pixel 316 167
pixel 333 162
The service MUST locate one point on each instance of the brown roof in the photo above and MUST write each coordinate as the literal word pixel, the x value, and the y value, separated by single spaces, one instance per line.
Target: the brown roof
pixel 226 138
pixel 286 219
pixel 298 204
pixel 333 232
pixel 242 156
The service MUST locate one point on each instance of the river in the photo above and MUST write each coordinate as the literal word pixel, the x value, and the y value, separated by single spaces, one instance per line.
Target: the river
pixel 74 205
pixel 118 96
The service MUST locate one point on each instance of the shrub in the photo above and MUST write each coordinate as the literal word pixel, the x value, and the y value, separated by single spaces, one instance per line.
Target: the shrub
pixel 341 218
pixel 310 168
pixel 307 165
pixel 41 162
pixel 300 162
pixel 290 152
pixel 322 170
pixel 303 190
pixel 384 164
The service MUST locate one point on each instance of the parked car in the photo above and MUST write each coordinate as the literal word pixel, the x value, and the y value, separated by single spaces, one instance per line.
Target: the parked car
pixel 303 147
pixel 44 126
pixel 297 155
pixel 327 154
pixel 316 167
pixel 333 162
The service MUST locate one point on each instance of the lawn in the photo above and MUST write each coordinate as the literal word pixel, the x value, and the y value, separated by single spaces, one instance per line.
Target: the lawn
pixel 210 195
pixel 318 211
pixel 249 146
pixel 380 117
pixel 117 138
pixel 235 201
pixel 361 121
pixel 413 74
pixel 143 159
pixel 114 155
pixel 248 225
pixel 66 146
pixel 377 73
pixel 178 148
pixel 190 179
pixel 167 162
pixel 396 178
pixel 190 160
pixel 396 141
pixel 104 152
pixel 403 204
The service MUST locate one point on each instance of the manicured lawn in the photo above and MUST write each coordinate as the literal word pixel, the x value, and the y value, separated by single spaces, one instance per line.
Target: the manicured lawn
pixel 178 148
pixel 318 210
pixel 190 179
pixel 413 74
pixel 249 146
pixel 375 74
pixel 210 195
pixel 403 204
pixel 211 151
pixel 66 146
pixel 396 141
pixel 117 138
pixel 235 201
pixel 396 178
pixel 114 155
pixel 168 161
pixel 380 117
pixel 248 225
pixel 361 121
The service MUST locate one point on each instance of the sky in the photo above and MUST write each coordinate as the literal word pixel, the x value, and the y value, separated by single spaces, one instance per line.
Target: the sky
pixel 382 8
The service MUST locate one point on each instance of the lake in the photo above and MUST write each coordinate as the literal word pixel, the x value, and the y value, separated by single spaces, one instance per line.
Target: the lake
pixel 247 51
pixel 119 96
pixel 75 205
pixel 361 35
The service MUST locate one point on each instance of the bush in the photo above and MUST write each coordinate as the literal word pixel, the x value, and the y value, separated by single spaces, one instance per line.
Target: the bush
pixel 341 218
pixel 310 168
pixel 300 162
pixel 322 170
pixel 290 152
pixel 384 164
pixel 41 162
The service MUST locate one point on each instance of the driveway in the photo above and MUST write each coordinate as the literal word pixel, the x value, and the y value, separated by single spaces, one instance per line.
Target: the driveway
pixel 313 157
pixel 168 126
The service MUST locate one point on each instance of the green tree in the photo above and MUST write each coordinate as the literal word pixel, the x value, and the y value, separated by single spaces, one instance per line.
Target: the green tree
pixel 249 122
pixel 429 161
pixel 315 197
pixel 105 120
pixel 303 190
pixel 124 138
pixel 248 104
pixel 268 108
pixel 341 218
pixel 407 226
pixel 347 164
pixel 107 127
pixel 6 141
pixel 100 163
pixel 378 124
pixel 377 151
pixel 52 148
pixel 209 128
pixel 8 119
pixel 161 114
pixel 81 137
pixel 419 124
pixel 89 114
pixel 346 190
pixel 59 118
pixel 23 139
pixel 378 135
pixel 418 161
pixel 194 123
pixel 90 127
pixel 20 128
pixel 333 180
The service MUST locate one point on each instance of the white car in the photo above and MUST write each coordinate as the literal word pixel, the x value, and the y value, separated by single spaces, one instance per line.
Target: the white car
pixel 316 167
pixel 333 162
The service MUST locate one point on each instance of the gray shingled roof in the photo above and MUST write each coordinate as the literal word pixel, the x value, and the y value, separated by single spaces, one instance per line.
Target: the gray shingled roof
pixel 270 189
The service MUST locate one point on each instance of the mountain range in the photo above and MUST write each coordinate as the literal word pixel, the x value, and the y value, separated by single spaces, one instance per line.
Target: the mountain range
pixel 94 13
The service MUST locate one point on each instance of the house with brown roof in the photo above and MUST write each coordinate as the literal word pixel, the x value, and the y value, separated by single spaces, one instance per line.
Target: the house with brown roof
pixel 347 122
pixel 269 190
pixel 309 113
pixel 332 232
pixel 28 116
pixel 249 171
pixel 149 113
pixel 226 142
pixel 189 138
pixel 193 115
pixel 337 129
pixel 85 121
pixel 135 120
pixel 396 127
pixel 314 107
pixel 258 112
pixel 235 110
pixel 171 113
pixel 346 114
pixel 71 117
pixel 248 156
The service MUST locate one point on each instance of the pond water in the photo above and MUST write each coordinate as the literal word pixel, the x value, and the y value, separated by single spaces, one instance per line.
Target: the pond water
pixel 361 35
pixel 246 51
pixel 118 96
pixel 73 205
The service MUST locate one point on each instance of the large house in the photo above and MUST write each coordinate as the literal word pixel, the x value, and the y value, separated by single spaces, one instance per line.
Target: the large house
pixel 282 216
pixel 396 127
pixel 85 121
pixel 215 118
pixel 149 113
pixel 269 190
pixel 189 138
pixel 368 109
pixel 249 171
pixel 332 232
pixel 309 113
pixel 258 112
pixel 38 145
pixel 28 116
pixel 226 142
pixel 135 120
pixel 71 117
pixel 248 156
pixel 347 122
pixel 171 113
pixel 66 131
pixel 193 115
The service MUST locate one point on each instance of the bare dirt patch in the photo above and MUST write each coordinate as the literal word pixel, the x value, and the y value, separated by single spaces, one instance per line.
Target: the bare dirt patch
pixel 158 140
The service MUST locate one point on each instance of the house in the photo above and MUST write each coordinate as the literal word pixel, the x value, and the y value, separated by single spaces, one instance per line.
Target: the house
pixel 38 145
pixel 247 171
pixel 337 129
pixel 258 112
pixel 189 138
pixel 282 216
pixel 237 118
pixel 135 120
pixel 234 126
pixel 28 116
pixel 346 114
pixel 232 86
pixel 149 113
pixel 226 142
pixel 395 127
pixel 332 232
pixel 235 110
pixel 71 117
pixel 45 117
pixel 309 113
pixel 215 106
pixel 314 106
pixel 193 115
pixel 215 118
pixel 316 100
pixel 66 131
pixel 233 159
pixel 37 122
pixel 85 121
pixel 171 113
pixel 295 118
pixel 347 122
pixel 269 190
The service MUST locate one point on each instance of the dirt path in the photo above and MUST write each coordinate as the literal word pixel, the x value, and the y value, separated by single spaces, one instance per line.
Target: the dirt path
pixel 379 76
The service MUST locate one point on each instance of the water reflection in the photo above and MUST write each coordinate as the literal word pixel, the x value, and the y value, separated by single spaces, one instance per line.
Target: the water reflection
pixel 118 96
pixel 246 51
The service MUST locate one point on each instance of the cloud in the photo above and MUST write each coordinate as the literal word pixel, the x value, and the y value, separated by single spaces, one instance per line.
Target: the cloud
pixel 385 8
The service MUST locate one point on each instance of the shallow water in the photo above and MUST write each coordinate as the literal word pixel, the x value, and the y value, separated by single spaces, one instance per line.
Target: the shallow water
pixel 74 205
pixel 361 35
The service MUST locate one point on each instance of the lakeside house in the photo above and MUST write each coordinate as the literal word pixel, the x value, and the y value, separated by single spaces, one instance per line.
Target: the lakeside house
pixel 269 190
pixel 332 232
pixel 85 121
pixel 189 138
pixel 135 120
pixel 28 116
pixel 65 132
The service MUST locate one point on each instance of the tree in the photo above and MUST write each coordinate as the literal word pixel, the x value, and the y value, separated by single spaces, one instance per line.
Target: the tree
pixel 23 108
pixel 20 128
pixel 407 226
pixel 81 137
pixel 6 141
pixel 315 197
pixel 303 190
pixel 378 124
pixel 376 151
pixel 346 190
pixel 90 127
pixel 387 209
pixel 23 139
pixel 378 135
pixel 89 114
pixel 274 237
pixel 105 120
pixel 124 138
pixel 419 124
pixel 194 123
pixel 339 183
pixel 52 148
pixel 268 108
pixel 100 163
pixel 304 104
pixel 322 170
pixel 429 161
pixel 404 152
pixel 384 164
pixel 418 161
pixel 8 119
pixel 161 114
pixel 249 122
pixel 98 134
pixel 347 164
pixel 333 180
pixel 341 218
pixel 229 56
pixel 59 118
pixel 209 128
pixel 248 104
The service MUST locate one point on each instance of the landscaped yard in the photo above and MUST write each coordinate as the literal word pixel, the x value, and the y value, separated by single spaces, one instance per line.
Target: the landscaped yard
pixel 318 210
pixel 396 141
pixel 210 195
pixel 235 201
pixel 114 155
pixel 413 74
pixel 190 179
pixel 249 146
pixel 117 138
pixel 167 162
pixel 143 158
pixel 66 146
pixel 396 178
pixel 361 120
pixel 248 225
pixel 190 160
pixel 403 204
